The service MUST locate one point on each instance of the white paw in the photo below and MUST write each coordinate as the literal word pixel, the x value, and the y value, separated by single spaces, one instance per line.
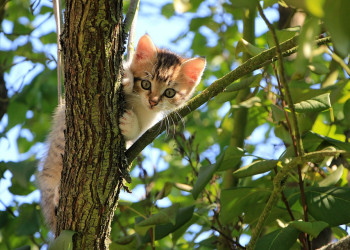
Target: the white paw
pixel 128 80
pixel 129 125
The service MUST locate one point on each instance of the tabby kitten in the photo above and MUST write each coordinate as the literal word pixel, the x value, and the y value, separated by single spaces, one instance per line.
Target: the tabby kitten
pixel 155 82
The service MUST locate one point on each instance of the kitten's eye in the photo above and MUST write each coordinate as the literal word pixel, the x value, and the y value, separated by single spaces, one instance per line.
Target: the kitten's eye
pixel 170 93
pixel 145 84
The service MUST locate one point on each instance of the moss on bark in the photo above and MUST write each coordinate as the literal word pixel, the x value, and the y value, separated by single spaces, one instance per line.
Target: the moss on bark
pixel 92 176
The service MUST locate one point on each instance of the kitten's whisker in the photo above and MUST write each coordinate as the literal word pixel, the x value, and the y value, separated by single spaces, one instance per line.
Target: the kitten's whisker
pixel 174 124
pixel 181 118
pixel 169 126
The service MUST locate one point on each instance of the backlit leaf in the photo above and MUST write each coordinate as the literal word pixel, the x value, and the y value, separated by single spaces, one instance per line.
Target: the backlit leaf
pixel 63 241
pixel 316 104
pixel 312 228
pixel 329 204
pixel 333 178
pixel 257 167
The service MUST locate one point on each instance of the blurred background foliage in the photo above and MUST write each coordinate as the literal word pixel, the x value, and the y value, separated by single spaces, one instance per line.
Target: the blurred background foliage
pixel 184 192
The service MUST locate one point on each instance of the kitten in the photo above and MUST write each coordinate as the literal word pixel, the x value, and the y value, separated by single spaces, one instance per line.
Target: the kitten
pixel 162 82
pixel 155 82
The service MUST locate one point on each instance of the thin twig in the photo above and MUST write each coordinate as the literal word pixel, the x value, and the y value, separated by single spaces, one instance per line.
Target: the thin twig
pixel 134 12
pixel 296 138
pixel 130 15
pixel 57 11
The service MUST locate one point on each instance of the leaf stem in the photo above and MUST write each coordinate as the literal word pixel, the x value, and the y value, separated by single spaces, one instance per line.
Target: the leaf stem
pixel 339 60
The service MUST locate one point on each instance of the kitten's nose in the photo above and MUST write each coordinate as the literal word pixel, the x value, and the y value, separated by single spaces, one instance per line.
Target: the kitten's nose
pixel 153 102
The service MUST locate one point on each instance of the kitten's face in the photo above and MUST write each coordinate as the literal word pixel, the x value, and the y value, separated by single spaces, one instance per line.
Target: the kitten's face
pixel 163 80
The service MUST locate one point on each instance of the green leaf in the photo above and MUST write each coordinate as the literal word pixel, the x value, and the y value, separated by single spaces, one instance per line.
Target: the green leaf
pixel 168 10
pixel 245 82
pixel 22 171
pixel 22 29
pixel 256 167
pixel 346 110
pixel 235 201
pixel 23 144
pixel 330 205
pixel 167 215
pixel 244 3
pixel 210 242
pixel 181 230
pixel 49 38
pixel 16 113
pixel 313 140
pixel 282 36
pixel 318 68
pixel 230 158
pixel 196 23
pixel 316 104
pixel 336 20
pixel 63 241
pixel 277 113
pixel 333 178
pixel 306 43
pixel 4 218
pixel 339 232
pixel 225 97
pixel 28 219
pixel 204 176
pixel 45 9
pixel 165 190
pixel 253 101
pixel 182 217
pixel 244 46
pixel 230 92
pixel 315 7
pixel 311 228
pixel 281 239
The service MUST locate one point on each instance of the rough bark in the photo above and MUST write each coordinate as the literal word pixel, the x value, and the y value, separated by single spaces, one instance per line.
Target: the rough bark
pixel 342 244
pixel 94 160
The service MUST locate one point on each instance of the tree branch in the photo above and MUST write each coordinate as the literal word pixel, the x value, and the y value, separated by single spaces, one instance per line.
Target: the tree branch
pixel 288 47
pixel 339 245
pixel 278 182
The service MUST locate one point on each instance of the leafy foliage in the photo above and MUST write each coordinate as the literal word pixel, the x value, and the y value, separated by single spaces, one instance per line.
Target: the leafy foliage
pixel 185 202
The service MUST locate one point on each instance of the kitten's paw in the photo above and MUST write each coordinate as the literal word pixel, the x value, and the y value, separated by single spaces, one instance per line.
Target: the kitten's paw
pixel 129 125
pixel 128 80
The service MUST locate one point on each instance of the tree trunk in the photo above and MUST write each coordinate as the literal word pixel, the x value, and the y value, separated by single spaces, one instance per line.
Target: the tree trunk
pixel 92 175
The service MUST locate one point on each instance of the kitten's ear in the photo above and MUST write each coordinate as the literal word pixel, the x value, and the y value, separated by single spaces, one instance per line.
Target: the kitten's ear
pixel 145 49
pixel 192 69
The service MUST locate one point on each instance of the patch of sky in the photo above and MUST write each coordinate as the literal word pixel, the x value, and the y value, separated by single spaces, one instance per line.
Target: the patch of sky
pixel 163 203
pixel 21 74
pixel 193 230
pixel 138 193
